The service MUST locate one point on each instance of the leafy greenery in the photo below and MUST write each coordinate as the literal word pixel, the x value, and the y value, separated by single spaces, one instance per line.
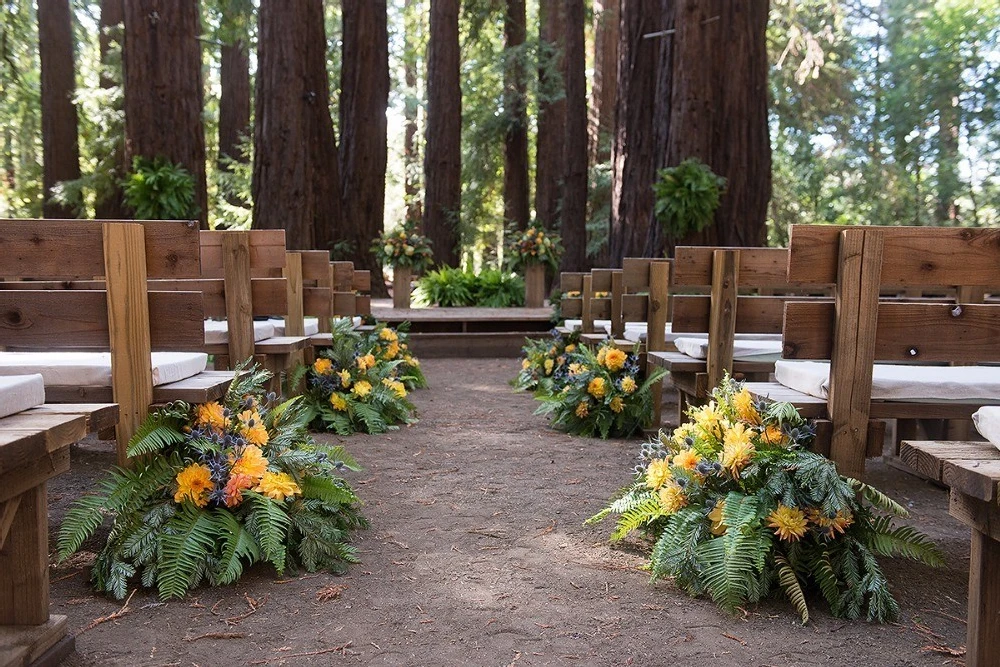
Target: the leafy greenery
pixel 404 247
pixel 545 360
pixel 736 508
pixel 159 190
pixel 533 246
pixel 686 197
pixel 450 287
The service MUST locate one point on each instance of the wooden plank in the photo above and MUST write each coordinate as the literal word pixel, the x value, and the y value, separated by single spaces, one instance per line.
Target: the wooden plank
pixel 927 456
pixel 617 292
pixel 316 267
pixel 8 508
pixel 571 282
pixel 128 328
pixel 344 304
pixel 572 307
pixel 983 624
pixel 19 441
pixel 363 304
pixel 722 321
pixel 236 264
pixel 635 274
pixel 24 563
pixel 342 276
pixel 202 388
pixel 808 406
pixel 317 302
pixel 976 478
pixel 635 308
pixel 981 516
pixel 601 308
pixel 754 314
pixel 266 248
pixel 31 644
pixel 656 321
pixel 269 294
pixel 586 314
pixel 295 314
pixel 361 281
pixel 281 345
pixel 758 267
pixel 600 280
pixel 99 416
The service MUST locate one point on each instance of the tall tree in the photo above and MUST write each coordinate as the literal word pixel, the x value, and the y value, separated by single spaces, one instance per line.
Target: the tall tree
pixel 607 15
pixel 163 87
pixel 109 204
pixel 234 77
pixel 515 165
pixel 443 148
pixel 296 179
pixel 634 147
pixel 411 107
pixel 551 113
pixel 60 148
pixel 574 182
pixel 364 98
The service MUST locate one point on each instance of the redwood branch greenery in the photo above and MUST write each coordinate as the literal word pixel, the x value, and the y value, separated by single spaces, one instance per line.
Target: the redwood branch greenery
pixel 736 507
pixel 214 489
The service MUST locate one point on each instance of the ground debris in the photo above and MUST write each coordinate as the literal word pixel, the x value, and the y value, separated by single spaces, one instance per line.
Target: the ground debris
pixel 330 593
pixel 217 635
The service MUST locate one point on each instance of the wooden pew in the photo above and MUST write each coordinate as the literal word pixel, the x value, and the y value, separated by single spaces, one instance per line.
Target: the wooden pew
pixel 571 304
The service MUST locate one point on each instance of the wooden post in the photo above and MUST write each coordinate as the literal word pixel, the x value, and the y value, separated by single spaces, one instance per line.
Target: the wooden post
pixel 983 638
pixel 722 317
pixel 656 323
pixel 24 562
pixel 534 285
pixel 617 291
pixel 295 316
pixel 587 315
pixel 401 277
pixel 239 300
pixel 128 327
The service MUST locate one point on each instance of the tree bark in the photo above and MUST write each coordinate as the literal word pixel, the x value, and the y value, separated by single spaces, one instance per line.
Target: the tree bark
pixel 164 97
pixel 515 164
pixel 574 186
pixel 60 148
pixel 443 148
pixel 364 98
pixel 948 156
pixel 718 111
pixel 111 206
pixel 296 177
pixel 234 101
pixel 411 153
pixel 551 113
pixel 634 149
pixel 607 15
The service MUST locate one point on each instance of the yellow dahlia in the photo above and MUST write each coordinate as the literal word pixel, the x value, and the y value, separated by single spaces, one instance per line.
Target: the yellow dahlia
pixel 388 334
pixel 789 523
pixel 773 435
pixel 581 409
pixel 549 365
pixel 255 434
pixel 322 365
pixel 251 463
pixel 658 473
pixel 737 449
pixel 210 415
pixel 525 364
pixel 709 418
pixel 832 526
pixel 601 355
pixel 597 388
pixel 366 362
pixel 391 351
pixel 362 388
pixel 194 483
pixel 398 387
pixel 672 498
pixel 614 360
pixel 570 348
pixel 745 408
pixel 687 459
pixel 338 402
pixel 715 516
pixel 617 405
pixel 683 432
pixel 278 486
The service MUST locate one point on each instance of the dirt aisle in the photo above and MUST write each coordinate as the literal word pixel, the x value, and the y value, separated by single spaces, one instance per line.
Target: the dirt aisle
pixel 477 556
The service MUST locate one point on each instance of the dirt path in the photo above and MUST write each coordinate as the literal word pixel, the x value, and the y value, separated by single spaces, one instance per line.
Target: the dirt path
pixel 477 555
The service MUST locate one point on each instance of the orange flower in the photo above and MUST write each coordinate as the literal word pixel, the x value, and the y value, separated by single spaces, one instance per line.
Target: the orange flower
pixel 194 483
pixel 234 488
pixel 211 415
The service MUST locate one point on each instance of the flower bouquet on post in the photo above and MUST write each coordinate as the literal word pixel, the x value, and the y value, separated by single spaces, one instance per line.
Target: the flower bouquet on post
pixel 533 250
pixel 407 252
pixel 216 488
pixel 737 507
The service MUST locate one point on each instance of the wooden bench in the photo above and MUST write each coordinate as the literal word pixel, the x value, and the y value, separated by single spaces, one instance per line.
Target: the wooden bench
pixel 571 303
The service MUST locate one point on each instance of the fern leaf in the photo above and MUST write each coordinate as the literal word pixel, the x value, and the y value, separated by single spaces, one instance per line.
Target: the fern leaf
pixel 157 432
pixel 187 539
pixel 269 525
pixel 80 522
pixel 902 541
pixel 327 489
pixel 790 584
pixel 636 517
pixel 238 546
pixel 878 499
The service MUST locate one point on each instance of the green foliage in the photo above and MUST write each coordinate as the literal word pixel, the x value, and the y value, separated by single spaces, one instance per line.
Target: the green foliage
pixel 545 362
pixel 404 247
pixel 686 197
pixel 450 287
pixel 533 246
pixel 159 190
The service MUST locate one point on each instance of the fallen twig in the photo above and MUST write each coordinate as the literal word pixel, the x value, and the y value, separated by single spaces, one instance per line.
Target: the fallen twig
pixel 734 638
pixel 217 635
pixel 110 617
pixel 342 649
pixel 330 593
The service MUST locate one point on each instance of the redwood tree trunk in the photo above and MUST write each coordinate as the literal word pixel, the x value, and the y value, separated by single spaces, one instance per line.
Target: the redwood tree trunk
pixel 443 150
pixel 234 101
pixel 296 179
pixel 515 164
pixel 411 154
pixel 60 150
pixel 718 110
pixel 111 205
pixel 551 113
pixel 607 14
pixel 163 87
pixel 574 186
pixel 364 98
pixel 634 150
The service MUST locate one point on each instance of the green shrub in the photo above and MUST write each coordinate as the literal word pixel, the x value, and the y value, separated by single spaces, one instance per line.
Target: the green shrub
pixel 450 288
pixel 157 189
pixel 686 197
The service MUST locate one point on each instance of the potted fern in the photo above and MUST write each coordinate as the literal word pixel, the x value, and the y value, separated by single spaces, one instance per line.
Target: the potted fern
pixel 687 196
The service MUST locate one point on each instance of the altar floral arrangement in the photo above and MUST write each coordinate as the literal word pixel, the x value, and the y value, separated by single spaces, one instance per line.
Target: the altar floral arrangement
pixel 545 360
pixel 602 394
pixel 533 246
pixel 215 488
pixel 737 507
pixel 361 383
pixel 404 247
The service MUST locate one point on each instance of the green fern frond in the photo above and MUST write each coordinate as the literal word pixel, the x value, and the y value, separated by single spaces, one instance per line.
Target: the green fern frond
pixel 327 489
pixel 80 522
pixel 902 541
pixel 269 526
pixel 157 432
pixel 877 498
pixel 636 517
pixel 238 547
pixel 184 543
pixel 790 584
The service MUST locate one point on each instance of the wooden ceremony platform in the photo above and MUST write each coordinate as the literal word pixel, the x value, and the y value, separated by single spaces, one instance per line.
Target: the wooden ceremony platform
pixel 466 332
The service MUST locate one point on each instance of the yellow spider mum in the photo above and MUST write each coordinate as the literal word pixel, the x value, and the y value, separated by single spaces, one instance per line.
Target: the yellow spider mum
pixel 597 388
pixel 715 516
pixel 362 388
pixel 194 483
pixel 345 378
pixel 772 435
pixel 789 523
pixel 581 409
pixel 745 408
pixel 687 459
pixel 278 486
pixel 391 351
pixel 549 365
pixel 629 385
pixel 576 369
pixel 251 463
pixel 672 498
pixel 832 526
pixel 338 402
pixel 737 449
pixel 614 360
pixel 366 362
pixel 211 415
pixel 601 355
pixel 398 387
pixel 658 473
pixel 617 405
pixel 256 434
pixel 683 432
pixel 388 334
pixel 322 365
pixel 709 418
pixel 570 348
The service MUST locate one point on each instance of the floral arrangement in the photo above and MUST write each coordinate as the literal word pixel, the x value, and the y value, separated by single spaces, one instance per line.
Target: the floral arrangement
pixel 533 246
pixel 545 360
pixel 404 247
pixel 736 506
pixel 361 383
pixel 216 488
pixel 599 394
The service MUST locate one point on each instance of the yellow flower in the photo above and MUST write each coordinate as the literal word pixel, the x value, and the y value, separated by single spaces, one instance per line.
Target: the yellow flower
pixel 278 486
pixel 737 449
pixel 391 351
pixel 525 364
pixel 366 362
pixel 398 387
pixel 745 408
pixel 601 355
pixel 672 498
pixel 338 402
pixel 549 365
pixel 628 384
pixel 614 360
pixel 576 369
pixel 571 347
pixel 709 418
pixel 773 435
pixel 345 378
pixel 597 388
pixel 322 365
pixel 362 388
pixel 832 526
pixel 251 463
pixel 581 409
pixel 658 473
pixel 194 483
pixel 256 434
pixel 687 459
pixel 388 334
pixel 211 415
pixel 617 405
pixel 715 516
pixel 683 432
pixel 788 522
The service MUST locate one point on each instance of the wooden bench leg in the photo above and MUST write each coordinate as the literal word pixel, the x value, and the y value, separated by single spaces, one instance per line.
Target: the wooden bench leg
pixel 24 562
pixel 983 641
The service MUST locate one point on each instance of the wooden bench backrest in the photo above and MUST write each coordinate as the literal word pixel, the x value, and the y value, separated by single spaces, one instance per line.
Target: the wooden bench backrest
pixel 571 306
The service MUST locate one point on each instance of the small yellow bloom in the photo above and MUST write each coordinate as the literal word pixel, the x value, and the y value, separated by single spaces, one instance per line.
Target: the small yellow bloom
pixel 575 369
pixel 278 486
pixel 338 402
pixel 366 362
pixel 773 435
pixel 549 365
pixel 597 388
pixel 628 384
pixel 391 351
pixel 388 334
pixel 398 387
pixel 672 497
pixel 745 408
pixel 256 434
pixel 715 516
pixel 832 526
pixel 345 378
pixel 614 360
pixel 687 459
pixel 737 449
pixel 322 365
pixel 683 432
pixel 211 415
pixel 788 522
pixel 362 388
pixel 571 348
pixel 581 409
pixel 251 463
pixel 525 364
pixel 658 473
pixel 194 483
pixel 601 355
pixel 709 418
pixel 617 405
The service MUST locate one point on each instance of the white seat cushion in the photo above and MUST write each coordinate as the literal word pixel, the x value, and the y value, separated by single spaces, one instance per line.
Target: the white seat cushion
pixel 20 392
pixel 599 325
pixel 893 382
pixel 744 349
pixel 636 332
pixel 311 325
pixel 987 421
pixel 93 369
pixel 217 331
pixel 573 325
